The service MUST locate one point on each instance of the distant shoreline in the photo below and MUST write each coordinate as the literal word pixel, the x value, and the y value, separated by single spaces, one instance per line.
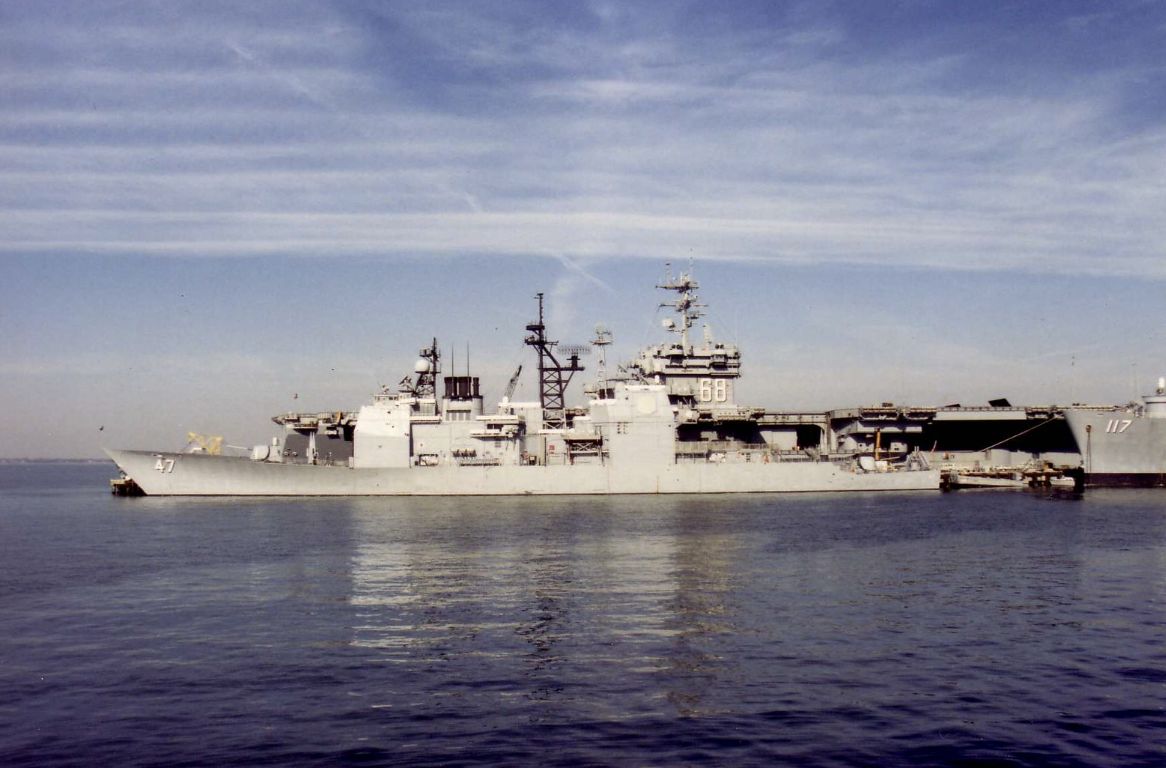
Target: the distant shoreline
pixel 54 461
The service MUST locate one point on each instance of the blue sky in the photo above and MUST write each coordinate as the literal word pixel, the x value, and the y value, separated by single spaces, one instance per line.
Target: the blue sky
pixel 209 208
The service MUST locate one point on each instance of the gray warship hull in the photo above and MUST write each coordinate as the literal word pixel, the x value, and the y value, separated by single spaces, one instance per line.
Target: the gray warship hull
pixel 193 474
pixel 1120 447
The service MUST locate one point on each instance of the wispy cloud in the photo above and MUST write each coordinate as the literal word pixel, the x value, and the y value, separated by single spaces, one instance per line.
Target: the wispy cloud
pixel 565 136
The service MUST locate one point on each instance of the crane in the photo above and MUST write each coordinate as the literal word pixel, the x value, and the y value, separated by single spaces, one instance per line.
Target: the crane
pixel 510 385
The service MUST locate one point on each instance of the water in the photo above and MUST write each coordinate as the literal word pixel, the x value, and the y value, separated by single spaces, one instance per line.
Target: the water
pixel 969 629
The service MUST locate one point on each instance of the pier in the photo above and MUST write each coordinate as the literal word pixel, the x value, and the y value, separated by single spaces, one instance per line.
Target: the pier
pixel 1015 478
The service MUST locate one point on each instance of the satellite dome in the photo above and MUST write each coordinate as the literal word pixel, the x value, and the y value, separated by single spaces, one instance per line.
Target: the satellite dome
pixel 421 366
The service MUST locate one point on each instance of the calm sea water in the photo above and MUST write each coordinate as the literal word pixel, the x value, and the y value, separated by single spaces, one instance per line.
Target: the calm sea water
pixel 969 628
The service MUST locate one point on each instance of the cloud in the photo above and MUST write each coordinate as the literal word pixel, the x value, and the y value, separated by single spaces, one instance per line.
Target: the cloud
pixel 633 150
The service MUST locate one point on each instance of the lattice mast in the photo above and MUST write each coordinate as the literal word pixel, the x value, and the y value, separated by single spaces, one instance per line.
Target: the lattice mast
pixel 553 376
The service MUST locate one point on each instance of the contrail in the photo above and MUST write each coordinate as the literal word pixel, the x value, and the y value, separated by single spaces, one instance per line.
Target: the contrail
pixel 574 266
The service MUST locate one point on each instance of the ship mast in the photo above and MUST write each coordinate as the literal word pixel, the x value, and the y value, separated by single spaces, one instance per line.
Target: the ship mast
pixel 602 340
pixel 553 376
pixel 427 374
pixel 686 305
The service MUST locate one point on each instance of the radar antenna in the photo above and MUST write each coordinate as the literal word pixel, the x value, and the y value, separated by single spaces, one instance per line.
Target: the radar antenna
pixel 427 369
pixel 602 340
pixel 686 305
pixel 553 376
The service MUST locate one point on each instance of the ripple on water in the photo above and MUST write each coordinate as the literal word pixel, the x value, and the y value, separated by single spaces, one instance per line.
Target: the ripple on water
pixel 959 629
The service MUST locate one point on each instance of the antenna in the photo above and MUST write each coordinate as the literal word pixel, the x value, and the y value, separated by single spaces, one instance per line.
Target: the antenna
pixel 686 305
pixel 602 340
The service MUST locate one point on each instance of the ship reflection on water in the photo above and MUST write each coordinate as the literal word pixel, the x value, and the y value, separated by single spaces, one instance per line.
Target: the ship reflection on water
pixel 574 607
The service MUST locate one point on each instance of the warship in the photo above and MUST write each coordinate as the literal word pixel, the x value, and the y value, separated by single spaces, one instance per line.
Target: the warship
pixel 667 422
pixel 1123 445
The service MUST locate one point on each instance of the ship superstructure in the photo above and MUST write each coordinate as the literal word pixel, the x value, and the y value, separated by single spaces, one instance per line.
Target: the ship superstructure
pixel 668 423
pixel 697 375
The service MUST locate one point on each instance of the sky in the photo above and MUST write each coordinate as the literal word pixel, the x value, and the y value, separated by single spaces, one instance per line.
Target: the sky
pixel 211 213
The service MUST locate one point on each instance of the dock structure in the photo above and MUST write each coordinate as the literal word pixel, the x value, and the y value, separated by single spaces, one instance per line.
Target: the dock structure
pixel 125 486
pixel 1046 477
